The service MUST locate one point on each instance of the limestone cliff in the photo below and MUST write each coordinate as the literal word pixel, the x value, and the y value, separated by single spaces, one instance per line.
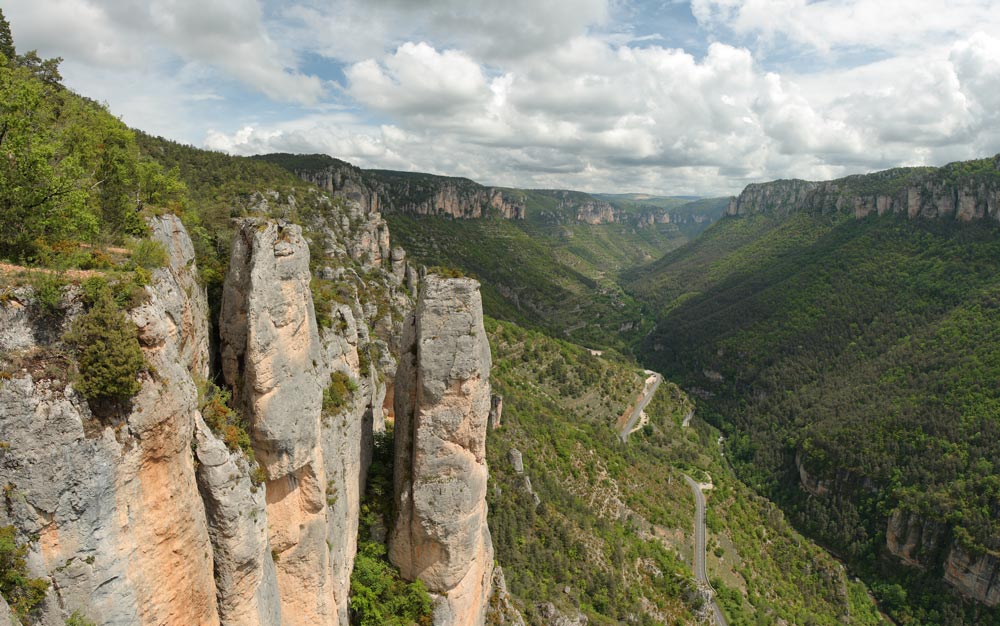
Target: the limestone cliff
pixel 442 400
pixel 975 576
pixel 403 192
pixel 962 191
pixel 592 210
pixel 922 542
pixel 121 530
pixel 279 361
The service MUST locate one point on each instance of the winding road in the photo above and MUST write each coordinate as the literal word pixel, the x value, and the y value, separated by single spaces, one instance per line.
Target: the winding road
pixel 652 384
pixel 700 572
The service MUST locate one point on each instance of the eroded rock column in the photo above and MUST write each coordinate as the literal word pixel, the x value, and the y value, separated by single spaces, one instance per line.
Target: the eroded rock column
pixel 272 356
pixel 442 402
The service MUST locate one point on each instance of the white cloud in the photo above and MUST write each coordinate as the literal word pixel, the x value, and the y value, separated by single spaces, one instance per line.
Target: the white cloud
pixel 543 93
pixel 894 25
pixel 353 30
pixel 593 114
pixel 225 34
pixel 419 80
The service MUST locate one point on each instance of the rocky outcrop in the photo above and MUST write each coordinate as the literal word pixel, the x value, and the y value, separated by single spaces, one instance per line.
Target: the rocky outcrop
pixel 459 198
pixel 516 461
pixel 442 400
pixel 977 577
pixel 592 211
pixel 403 192
pixel 502 609
pixel 812 484
pixel 272 357
pixel 237 521
pixel 270 343
pixel 121 529
pixel 913 539
pixel 278 361
pixel 960 191
pixel 922 542
pixel 553 617
pixel 496 411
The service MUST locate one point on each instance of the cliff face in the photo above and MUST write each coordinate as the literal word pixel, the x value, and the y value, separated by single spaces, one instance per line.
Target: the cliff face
pixel 590 210
pixel 420 194
pixel 916 539
pixel 442 399
pixel 271 357
pixel 960 191
pixel 151 518
pixel 122 532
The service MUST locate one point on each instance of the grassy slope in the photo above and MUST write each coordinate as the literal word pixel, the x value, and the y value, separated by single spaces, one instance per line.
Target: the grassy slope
pixel 864 346
pixel 613 515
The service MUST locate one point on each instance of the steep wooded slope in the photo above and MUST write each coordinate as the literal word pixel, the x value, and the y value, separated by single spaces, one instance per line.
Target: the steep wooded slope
pixel 852 353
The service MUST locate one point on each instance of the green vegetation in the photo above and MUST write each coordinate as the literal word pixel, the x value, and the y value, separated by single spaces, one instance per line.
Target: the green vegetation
pixel 226 422
pixel 862 347
pixel 72 172
pixel 530 278
pixel 78 619
pixel 378 595
pixel 615 522
pixel 108 355
pixel 21 592
pixel 338 392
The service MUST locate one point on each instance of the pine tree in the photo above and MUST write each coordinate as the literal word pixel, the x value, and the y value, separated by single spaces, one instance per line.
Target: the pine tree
pixel 110 358
pixel 6 39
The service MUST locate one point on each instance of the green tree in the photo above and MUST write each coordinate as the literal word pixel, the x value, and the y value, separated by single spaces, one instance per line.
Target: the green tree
pixel 21 592
pixel 110 358
pixel 6 39
pixel 41 197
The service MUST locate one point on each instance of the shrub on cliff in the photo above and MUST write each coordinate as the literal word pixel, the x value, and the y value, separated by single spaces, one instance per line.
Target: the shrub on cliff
pixel 337 393
pixel 21 592
pixel 110 358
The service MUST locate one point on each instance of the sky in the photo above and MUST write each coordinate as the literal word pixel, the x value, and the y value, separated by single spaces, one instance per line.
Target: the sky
pixel 655 96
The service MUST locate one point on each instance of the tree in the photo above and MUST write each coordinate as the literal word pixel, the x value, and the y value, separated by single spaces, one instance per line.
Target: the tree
pixel 21 592
pixel 110 358
pixel 41 194
pixel 6 40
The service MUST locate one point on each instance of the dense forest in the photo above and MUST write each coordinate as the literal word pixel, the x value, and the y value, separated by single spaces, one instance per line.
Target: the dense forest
pixel 866 351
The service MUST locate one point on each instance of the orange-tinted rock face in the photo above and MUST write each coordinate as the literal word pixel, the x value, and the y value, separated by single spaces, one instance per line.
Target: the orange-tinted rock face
pixel 121 525
pixel 442 399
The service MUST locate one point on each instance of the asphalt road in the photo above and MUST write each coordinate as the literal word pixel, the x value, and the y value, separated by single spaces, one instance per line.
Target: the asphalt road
pixel 700 572
pixel 640 406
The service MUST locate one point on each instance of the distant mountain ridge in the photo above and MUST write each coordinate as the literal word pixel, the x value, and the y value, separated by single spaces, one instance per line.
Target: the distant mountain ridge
pixel 419 193
pixel 402 192
pixel 964 191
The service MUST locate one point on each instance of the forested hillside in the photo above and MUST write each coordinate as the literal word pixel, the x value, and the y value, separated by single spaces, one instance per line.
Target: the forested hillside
pixel 610 533
pixel 851 364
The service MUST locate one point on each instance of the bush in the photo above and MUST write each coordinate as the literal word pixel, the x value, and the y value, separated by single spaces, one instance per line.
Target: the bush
pixel 224 421
pixel 21 592
pixel 149 254
pixel 336 394
pixel 379 597
pixel 48 292
pixel 110 358
pixel 78 619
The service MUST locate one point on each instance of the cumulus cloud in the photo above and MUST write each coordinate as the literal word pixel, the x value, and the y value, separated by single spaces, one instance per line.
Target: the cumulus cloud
pixel 894 25
pixel 226 34
pixel 353 30
pixel 548 94
pixel 419 80
pixel 592 113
